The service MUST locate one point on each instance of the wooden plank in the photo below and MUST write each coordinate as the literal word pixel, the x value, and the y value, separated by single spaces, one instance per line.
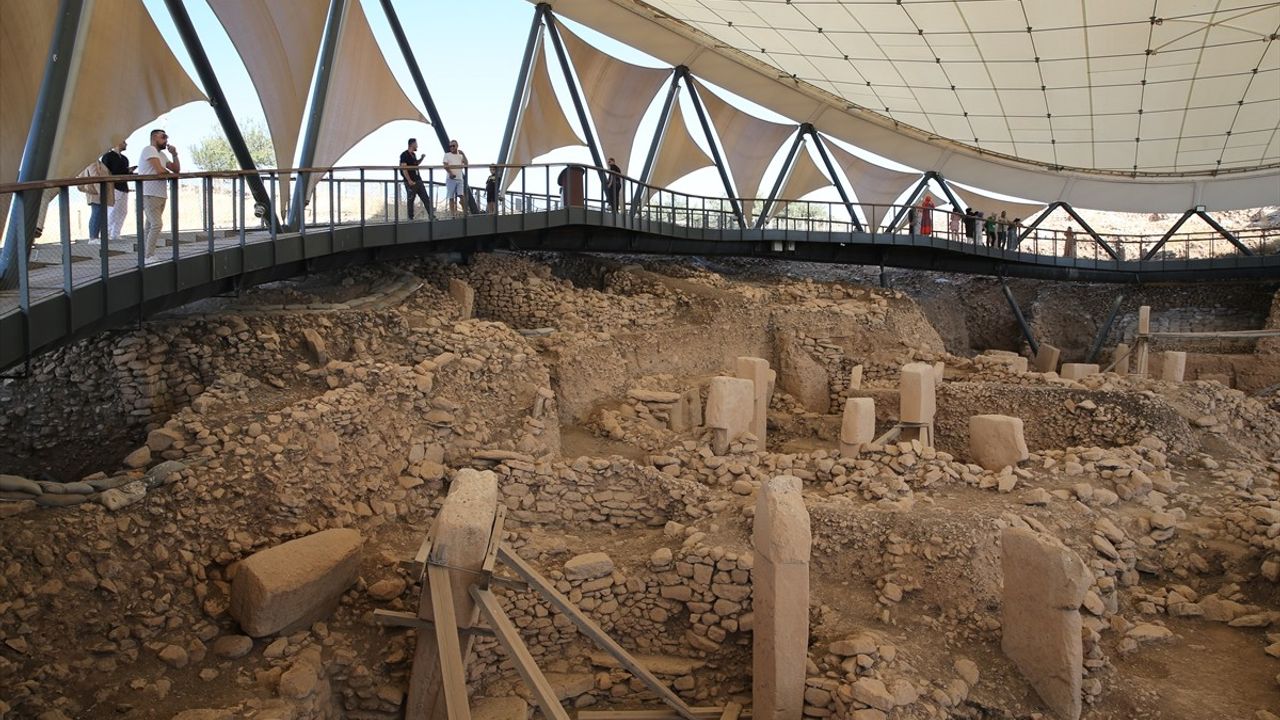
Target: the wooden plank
pixel 495 540
pixel 509 637
pixel 452 663
pixel 588 627
pixel 703 713
pixel 395 618
pixel 731 711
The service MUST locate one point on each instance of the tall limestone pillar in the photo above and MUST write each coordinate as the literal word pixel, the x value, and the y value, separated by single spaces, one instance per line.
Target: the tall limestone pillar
pixel 780 598
pixel 757 371
pixel 1142 348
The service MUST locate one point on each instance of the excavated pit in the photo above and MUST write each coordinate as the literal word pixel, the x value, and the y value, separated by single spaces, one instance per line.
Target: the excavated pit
pixel 144 464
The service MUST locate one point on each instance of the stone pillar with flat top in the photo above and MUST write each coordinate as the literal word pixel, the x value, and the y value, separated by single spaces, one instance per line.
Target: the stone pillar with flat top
pixel 780 598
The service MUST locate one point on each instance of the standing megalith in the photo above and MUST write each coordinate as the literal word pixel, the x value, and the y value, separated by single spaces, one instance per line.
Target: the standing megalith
pixel 730 409
pixel 1044 584
pixel 780 598
pixel 997 441
pixel 917 402
pixel 857 426
pixel 757 371
pixel 1174 366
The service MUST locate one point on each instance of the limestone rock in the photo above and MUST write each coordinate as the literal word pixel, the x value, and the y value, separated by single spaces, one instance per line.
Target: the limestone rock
pixel 294 584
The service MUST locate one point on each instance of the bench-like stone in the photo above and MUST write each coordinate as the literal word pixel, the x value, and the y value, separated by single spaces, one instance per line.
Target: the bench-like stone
pixel 1044 584
pixel 997 441
pixel 290 586
pixel 1076 371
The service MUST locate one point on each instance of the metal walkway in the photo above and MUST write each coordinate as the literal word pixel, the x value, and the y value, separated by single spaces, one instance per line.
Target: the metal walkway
pixel 72 293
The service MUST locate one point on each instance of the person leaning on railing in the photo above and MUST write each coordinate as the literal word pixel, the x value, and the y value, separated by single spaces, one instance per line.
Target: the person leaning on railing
pixel 156 192
pixel 98 202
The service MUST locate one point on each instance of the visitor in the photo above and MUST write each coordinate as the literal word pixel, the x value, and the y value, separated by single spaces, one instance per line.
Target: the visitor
pixel 455 185
pixel 118 164
pixel 98 201
pixel 1003 233
pixel 1015 233
pixel 155 192
pixel 926 215
pixel 613 187
pixel 492 191
pixel 953 225
pixel 413 178
pixel 989 226
pixel 913 220
pixel 1069 248
pixel 971 225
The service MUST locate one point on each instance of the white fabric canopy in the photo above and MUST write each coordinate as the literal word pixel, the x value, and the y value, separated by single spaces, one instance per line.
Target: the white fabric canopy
pixel 543 126
pixel 804 178
pixel 1105 109
pixel 875 186
pixel 26 29
pixel 749 143
pixel 279 43
pixel 102 106
pixel 617 93
pixel 679 154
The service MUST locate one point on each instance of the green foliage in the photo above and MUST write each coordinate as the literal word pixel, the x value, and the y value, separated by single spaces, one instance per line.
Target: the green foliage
pixel 213 153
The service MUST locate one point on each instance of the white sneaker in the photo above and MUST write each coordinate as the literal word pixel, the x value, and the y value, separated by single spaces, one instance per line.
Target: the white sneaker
pixel 154 259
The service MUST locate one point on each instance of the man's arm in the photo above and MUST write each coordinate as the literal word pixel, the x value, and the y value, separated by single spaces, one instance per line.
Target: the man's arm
pixel 173 164
pixel 405 172
pixel 464 158
pixel 154 167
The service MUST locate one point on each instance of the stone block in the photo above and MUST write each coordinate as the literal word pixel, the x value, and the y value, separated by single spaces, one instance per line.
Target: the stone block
pixel 996 441
pixel 1121 359
pixel 1046 359
pixel 757 371
pixel 917 399
pixel 1173 366
pixel 465 296
pixel 460 535
pixel 292 585
pixel 1075 371
pixel 780 597
pixel 588 566
pixel 805 378
pixel 855 377
pixel 730 405
pixel 940 368
pixel 1044 585
pixel 857 426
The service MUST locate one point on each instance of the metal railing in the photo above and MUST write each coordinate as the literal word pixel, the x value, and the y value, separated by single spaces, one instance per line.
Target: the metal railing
pixel 207 211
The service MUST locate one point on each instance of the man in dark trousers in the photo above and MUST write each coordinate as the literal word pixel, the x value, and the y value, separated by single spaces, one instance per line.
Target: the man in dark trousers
pixel 412 178
pixel 613 189
pixel 971 225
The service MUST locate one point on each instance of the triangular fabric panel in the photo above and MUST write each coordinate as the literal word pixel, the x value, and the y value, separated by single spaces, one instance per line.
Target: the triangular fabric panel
pixel 805 177
pixel 543 125
pixel 26 29
pixel 116 92
pixel 680 154
pixel 363 95
pixel 993 206
pixel 876 187
pixel 617 94
pixel 749 143
pixel 279 43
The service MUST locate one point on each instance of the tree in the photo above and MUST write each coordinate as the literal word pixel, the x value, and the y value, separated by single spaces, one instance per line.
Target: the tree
pixel 213 153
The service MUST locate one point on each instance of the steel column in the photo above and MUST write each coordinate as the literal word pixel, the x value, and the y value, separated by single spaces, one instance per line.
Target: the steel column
pixel 416 73
pixel 1017 315
pixel 319 92
pixel 831 170
pixel 658 133
pixel 522 86
pixel 42 137
pixel 1044 214
pixel 787 166
pixel 1092 233
pixel 212 88
pixel 1168 234
pixel 571 82
pixel 1230 236
pixel 715 151
pixel 901 211
pixel 946 189
pixel 1105 330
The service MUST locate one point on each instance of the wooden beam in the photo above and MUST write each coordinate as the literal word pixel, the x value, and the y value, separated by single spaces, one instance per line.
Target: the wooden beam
pixel 588 627
pixel 731 711
pixel 452 664
pixel 510 640
pixel 703 713
pixel 395 618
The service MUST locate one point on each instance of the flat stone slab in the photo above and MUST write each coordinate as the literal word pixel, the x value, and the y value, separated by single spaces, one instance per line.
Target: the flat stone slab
pixel 290 586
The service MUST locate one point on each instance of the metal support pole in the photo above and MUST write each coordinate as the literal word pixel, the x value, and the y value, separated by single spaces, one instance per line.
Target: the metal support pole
pixel 715 150
pixel 901 211
pixel 1230 236
pixel 659 131
pixel 831 170
pixel 218 101
pixel 1105 330
pixel 42 137
pixel 531 46
pixel 787 166
pixel 1046 213
pixel 571 82
pixel 1093 233
pixel 1168 234
pixel 320 91
pixel 416 73
pixel 1017 315
pixel 946 189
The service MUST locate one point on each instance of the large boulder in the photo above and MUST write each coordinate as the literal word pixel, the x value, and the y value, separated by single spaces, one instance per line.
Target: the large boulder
pixel 290 586
pixel 997 441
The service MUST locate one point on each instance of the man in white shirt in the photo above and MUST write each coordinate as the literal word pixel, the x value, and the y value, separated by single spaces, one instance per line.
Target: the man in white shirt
pixel 455 163
pixel 156 192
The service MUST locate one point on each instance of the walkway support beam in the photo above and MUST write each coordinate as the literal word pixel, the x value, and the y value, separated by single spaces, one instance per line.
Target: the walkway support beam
pixel 831 171
pixel 915 192
pixel 1092 233
pixel 715 150
pixel 1105 330
pixel 572 83
pixel 42 137
pixel 218 100
pixel 659 133
pixel 1017 315
pixel 787 166
pixel 522 86
pixel 319 93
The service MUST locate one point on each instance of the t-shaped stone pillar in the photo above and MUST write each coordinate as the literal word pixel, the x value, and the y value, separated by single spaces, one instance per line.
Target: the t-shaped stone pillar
pixel 1142 353
pixel 917 401
pixel 757 371
pixel 857 426
pixel 730 410
pixel 780 597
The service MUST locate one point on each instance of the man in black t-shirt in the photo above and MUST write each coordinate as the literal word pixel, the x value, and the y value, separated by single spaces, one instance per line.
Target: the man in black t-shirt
pixel 117 164
pixel 412 179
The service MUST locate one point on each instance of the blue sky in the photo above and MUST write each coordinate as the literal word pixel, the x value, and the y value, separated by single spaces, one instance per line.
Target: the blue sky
pixel 469 53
